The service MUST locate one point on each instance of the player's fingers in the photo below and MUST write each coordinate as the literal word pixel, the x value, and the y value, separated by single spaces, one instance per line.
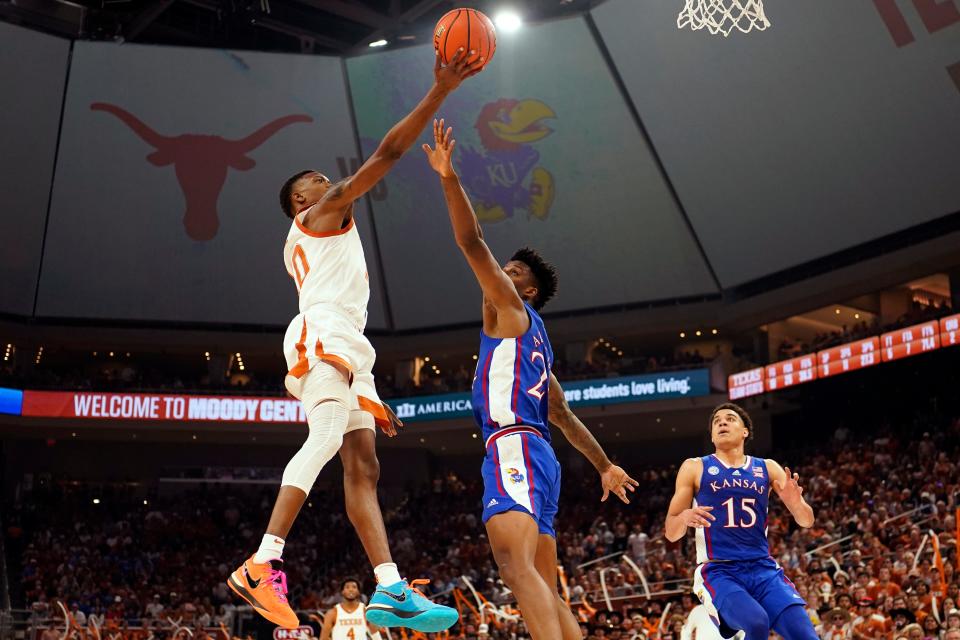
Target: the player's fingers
pixel 632 481
pixel 796 477
pixel 629 487
pixel 473 69
pixel 623 496
pixel 706 515
pixel 453 143
pixel 476 65
pixel 426 149
pixel 462 64
pixel 447 135
pixel 456 57
pixel 606 494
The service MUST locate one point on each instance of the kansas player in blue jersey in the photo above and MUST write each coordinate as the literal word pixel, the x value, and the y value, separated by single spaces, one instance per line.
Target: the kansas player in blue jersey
pixel 514 397
pixel 724 498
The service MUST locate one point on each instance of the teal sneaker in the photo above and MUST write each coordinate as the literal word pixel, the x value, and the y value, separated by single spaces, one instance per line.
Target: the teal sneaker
pixel 400 605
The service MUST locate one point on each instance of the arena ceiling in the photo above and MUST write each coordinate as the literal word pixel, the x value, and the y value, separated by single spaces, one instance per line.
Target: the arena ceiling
pixel 301 26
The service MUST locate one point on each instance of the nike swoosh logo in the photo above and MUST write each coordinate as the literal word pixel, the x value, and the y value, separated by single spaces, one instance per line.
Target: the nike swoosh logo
pixel 396 612
pixel 253 583
pixel 400 598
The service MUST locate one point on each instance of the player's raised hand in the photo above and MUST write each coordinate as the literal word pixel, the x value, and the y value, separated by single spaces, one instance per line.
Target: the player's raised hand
pixel 789 488
pixel 448 77
pixel 697 517
pixel 441 155
pixel 615 480
pixel 394 422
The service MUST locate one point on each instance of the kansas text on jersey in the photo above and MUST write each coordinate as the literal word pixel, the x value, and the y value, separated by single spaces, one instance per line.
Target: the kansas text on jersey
pixel 739 497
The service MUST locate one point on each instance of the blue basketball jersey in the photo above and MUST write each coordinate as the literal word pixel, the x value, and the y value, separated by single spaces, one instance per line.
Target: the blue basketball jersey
pixel 512 379
pixel 739 499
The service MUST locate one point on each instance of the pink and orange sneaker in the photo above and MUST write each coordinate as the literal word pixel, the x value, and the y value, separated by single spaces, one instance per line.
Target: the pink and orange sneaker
pixel 264 587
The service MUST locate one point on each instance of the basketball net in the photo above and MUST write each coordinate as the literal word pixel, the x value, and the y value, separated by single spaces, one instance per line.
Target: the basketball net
pixel 723 16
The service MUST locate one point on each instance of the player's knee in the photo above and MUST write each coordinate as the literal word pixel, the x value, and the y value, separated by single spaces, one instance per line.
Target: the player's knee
pixel 757 625
pixel 515 573
pixel 794 624
pixel 362 470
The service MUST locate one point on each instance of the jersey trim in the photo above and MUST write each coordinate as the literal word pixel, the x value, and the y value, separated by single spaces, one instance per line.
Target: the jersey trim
pixel 322 234
pixel 375 409
pixel 506 431
pixel 302 365
pixel 748 460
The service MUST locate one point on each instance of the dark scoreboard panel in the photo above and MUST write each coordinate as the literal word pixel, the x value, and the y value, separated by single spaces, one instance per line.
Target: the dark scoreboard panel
pixel 869 352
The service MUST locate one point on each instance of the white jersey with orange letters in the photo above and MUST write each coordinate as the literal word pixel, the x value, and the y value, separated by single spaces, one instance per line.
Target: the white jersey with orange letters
pixel 350 626
pixel 330 272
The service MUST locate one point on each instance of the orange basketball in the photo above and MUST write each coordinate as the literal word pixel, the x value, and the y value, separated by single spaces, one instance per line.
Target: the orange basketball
pixel 467 28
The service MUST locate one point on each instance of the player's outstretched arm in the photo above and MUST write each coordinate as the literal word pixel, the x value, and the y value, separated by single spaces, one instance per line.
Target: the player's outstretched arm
pixel 681 513
pixel 613 478
pixel 329 619
pixel 400 138
pixel 497 288
pixel 787 486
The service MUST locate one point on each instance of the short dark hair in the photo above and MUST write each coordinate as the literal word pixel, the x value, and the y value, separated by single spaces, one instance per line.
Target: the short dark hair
pixel 287 190
pixel 343 585
pixel 737 409
pixel 543 272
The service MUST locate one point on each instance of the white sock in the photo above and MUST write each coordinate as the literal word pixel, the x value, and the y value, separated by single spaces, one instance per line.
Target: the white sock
pixel 387 573
pixel 271 548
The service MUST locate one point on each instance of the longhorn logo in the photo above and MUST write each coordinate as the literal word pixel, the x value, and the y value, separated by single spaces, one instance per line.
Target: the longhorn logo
pixel 201 163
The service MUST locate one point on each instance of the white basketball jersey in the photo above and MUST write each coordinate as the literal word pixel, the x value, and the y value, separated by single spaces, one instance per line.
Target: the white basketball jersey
pixel 329 268
pixel 350 626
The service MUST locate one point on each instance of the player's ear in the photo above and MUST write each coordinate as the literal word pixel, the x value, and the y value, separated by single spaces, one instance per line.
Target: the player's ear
pixel 531 293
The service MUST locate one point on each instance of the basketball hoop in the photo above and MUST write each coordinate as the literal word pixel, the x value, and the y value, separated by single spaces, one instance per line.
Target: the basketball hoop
pixel 723 16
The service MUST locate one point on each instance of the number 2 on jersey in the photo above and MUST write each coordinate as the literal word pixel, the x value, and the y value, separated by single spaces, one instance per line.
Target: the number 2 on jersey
pixel 537 390
pixel 301 269
pixel 746 506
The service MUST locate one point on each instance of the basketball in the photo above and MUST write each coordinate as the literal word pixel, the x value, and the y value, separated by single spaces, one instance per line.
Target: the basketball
pixel 467 28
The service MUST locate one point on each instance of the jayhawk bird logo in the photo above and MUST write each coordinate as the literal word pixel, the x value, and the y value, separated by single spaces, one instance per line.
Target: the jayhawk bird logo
pixel 515 476
pixel 503 176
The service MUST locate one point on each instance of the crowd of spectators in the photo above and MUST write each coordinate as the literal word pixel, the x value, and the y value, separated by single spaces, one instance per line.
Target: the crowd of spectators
pixel 917 314
pixel 132 374
pixel 866 568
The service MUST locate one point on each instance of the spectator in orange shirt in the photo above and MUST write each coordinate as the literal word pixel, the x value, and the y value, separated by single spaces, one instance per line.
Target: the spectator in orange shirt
pixel 916 606
pixel 871 624
pixel 883 586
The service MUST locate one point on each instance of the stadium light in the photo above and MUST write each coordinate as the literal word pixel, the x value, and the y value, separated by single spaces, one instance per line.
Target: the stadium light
pixel 96 501
pixel 508 21
pixel 378 43
pixel 683 335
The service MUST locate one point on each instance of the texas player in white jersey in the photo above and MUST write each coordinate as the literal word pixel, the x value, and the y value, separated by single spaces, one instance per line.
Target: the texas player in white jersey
pixel 330 365
pixel 348 620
